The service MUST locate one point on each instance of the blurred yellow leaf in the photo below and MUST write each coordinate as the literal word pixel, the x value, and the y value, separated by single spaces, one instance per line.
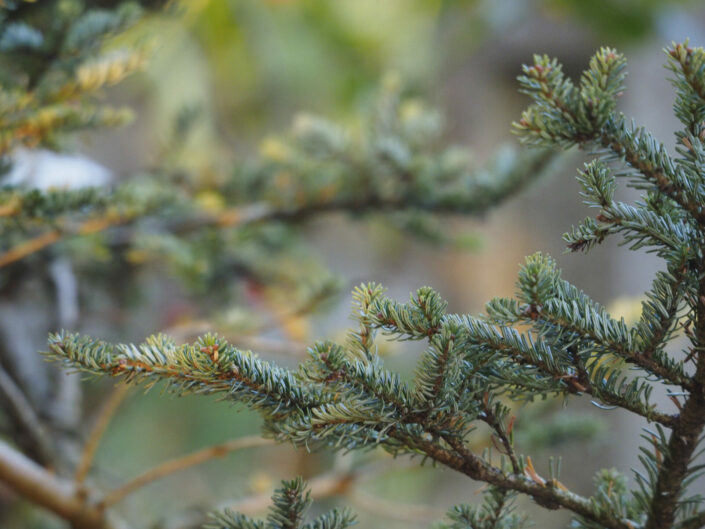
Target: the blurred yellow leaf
pixel 625 307
pixel 210 201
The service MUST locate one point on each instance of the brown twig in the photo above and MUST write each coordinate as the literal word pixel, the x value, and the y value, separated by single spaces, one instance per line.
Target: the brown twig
pixel 500 431
pixel 26 248
pixel 96 434
pixel 180 463
pixel 461 459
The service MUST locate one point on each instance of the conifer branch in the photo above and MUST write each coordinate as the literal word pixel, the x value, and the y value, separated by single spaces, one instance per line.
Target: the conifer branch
pixel 687 64
pixel 484 197
pixel 685 437
pixel 639 358
pixel 100 358
pixel 492 418
pixel 208 366
pixel 630 144
pixel 46 239
pixel 344 397
pixel 660 312
pixel 674 204
pixel 462 460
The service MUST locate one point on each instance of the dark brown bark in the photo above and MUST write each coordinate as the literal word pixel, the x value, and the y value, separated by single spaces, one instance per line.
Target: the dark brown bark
pixel 684 437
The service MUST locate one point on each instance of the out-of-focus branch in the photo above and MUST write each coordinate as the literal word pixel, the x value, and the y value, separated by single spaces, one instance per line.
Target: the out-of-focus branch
pixel 61 408
pixel 180 463
pixel 25 416
pixel 96 434
pixel 38 485
pixel 258 213
pixel 340 482
pixel 26 248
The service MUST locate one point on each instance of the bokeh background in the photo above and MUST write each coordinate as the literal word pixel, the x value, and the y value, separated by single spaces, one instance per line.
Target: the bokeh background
pixel 244 69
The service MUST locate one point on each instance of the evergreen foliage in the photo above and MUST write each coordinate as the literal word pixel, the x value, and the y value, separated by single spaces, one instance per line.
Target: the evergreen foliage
pixel 394 164
pixel 289 506
pixel 52 57
pixel 58 58
pixel 549 340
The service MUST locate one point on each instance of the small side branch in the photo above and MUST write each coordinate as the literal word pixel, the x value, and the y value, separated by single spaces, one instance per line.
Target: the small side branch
pixel 489 418
pixel 644 359
pixel 684 438
pixel 612 140
pixel 19 252
pixel 258 213
pixel 462 460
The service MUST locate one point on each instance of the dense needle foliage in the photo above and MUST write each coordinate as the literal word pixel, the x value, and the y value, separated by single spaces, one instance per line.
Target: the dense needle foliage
pixel 549 340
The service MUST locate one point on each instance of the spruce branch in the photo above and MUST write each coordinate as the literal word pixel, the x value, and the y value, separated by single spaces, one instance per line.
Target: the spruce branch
pixel 566 316
pixel 545 494
pixel 660 312
pixel 551 339
pixel 670 219
pixel 562 117
pixel 686 435
pixel 131 204
pixel 613 495
pixel 54 67
pixel 688 65
pixel 372 407
pixel 208 366
pixel 650 159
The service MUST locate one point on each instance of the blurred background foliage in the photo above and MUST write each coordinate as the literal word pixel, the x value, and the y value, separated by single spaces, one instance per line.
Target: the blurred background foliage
pixel 222 81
